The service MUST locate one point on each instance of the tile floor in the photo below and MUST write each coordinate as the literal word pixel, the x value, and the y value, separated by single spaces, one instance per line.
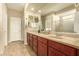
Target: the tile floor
pixel 17 48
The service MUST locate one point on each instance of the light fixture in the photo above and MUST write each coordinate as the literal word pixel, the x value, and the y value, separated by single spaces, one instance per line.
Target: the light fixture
pixel 76 4
pixel 39 11
pixel 32 9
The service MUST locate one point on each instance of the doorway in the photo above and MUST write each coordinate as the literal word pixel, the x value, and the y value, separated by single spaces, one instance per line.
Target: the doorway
pixel 14 29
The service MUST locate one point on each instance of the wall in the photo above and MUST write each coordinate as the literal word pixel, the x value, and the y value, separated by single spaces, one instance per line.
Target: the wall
pixel 22 26
pixel 14 13
pixel 5 19
pixel 1 40
pixel 76 24
pixel 43 22
pixel 4 24
pixel 3 27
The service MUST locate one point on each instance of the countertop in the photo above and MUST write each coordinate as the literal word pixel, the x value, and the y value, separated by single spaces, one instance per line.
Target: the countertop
pixel 73 42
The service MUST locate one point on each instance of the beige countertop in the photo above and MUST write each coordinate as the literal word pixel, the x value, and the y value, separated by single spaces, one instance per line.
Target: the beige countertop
pixel 73 42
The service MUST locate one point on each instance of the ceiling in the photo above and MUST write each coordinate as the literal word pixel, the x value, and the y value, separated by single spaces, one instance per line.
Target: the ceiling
pixel 47 7
pixel 44 7
pixel 16 6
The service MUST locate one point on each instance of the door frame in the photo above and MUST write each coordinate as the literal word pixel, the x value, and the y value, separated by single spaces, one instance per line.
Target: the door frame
pixel 9 28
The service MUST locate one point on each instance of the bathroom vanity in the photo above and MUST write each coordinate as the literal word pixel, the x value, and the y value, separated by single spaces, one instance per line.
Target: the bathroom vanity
pixel 51 45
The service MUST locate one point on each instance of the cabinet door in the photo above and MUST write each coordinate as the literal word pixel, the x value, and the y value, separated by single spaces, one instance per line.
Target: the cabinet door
pixel 42 49
pixel 35 38
pixel 34 42
pixel 70 51
pixel 31 42
pixel 53 52
pixel 43 40
pixel 28 39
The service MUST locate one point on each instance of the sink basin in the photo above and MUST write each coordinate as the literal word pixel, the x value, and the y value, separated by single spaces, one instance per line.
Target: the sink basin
pixel 44 33
pixel 52 35
pixel 58 37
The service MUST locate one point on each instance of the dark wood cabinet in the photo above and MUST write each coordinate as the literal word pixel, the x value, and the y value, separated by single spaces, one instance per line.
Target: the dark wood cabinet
pixel 35 43
pixel 42 40
pixel 67 50
pixel 31 41
pixel 42 46
pixel 77 52
pixel 28 38
pixel 54 52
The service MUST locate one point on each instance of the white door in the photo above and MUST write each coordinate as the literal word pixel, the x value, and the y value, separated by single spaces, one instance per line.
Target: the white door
pixel 15 29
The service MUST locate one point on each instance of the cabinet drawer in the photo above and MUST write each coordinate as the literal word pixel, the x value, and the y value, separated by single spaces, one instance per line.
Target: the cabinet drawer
pixel 42 50
pixel 43 40
pixel 30 35
pixel 53 52
pixel 35 40
pixel 34 43
pixel 31 39
pixel 35 37
pixel 41 44
pixel 63 48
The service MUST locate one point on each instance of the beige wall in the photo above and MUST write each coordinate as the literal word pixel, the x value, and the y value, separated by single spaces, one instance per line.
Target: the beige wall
pixel 15 13
pixel 1 40
pixel 4 24
pixel 22 26
pixel 43 22
pixel 76 24
pixel 3 27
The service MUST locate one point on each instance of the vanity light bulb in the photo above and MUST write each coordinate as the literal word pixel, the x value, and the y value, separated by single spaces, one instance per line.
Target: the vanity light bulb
pixel 32 9
pixel 39 11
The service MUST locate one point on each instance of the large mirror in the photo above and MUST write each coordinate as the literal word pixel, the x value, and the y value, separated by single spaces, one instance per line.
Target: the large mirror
pixel 36 19
pixel 33 22
pixel 65 23
pixel 61 22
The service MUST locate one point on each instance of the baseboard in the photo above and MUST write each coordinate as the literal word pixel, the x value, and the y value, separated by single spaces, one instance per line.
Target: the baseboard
pixel 15 40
